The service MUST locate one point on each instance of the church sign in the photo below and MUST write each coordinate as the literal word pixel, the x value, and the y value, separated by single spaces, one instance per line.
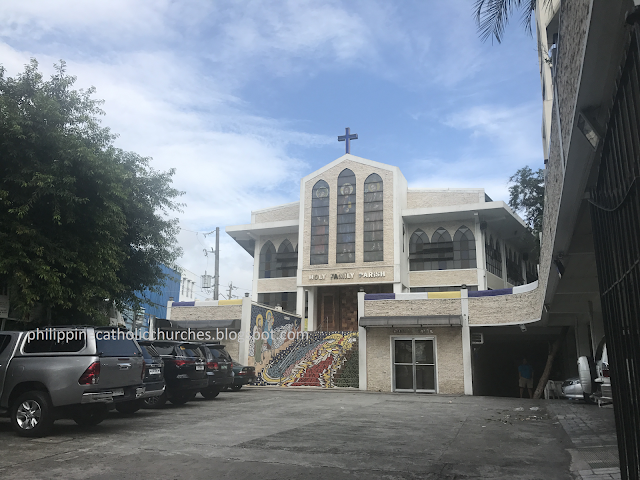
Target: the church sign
pixel 346 275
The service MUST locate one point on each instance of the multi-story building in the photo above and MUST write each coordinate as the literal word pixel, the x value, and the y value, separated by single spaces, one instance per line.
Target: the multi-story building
pixel 358 227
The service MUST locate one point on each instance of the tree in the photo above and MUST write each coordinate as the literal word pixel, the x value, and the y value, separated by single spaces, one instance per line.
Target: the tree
pixel 526 195
pixel 83 225
pixel 492 16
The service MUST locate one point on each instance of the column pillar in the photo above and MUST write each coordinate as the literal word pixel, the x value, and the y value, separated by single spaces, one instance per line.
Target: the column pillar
pixel 503 253
pixel 311 324
pixel 466 343
pixel 481 264
pixel 362 345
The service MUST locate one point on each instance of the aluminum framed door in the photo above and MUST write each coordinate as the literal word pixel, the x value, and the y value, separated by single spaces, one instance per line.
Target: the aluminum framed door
pixel 414 366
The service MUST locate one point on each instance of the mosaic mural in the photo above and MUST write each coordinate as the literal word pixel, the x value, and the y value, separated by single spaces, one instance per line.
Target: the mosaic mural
pixel 285 355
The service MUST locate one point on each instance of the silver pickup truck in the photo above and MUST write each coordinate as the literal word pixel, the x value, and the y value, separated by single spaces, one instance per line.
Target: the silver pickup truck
pixel 66 372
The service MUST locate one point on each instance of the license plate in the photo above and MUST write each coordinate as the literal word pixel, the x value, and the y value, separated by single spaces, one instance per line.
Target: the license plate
pixel 223 367
pixel 199 367
pixel 116 392
pixel 154 371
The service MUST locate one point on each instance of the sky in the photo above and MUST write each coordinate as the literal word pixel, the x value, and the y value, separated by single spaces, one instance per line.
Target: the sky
pixel 244 98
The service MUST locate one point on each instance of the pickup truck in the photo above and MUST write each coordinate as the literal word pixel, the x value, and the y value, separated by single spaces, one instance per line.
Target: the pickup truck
pixel 66 372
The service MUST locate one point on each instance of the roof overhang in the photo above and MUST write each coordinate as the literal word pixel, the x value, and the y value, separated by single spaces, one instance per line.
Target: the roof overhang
pixel 246 235
pixel 417 321
pixel 498 215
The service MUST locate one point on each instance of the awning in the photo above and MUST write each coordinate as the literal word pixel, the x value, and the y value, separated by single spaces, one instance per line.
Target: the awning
pixel 199 324
pixel 418 321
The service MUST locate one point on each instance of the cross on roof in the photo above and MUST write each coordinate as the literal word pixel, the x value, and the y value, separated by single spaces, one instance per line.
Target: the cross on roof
pixel 347 137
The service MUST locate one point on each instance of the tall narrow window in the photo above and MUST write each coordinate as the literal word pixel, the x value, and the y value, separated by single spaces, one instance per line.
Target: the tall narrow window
pixel 514 270
pixel 418 254
pixel 440 251
pixel 373 224
pixel 346 237
pixel 286 260
pixel 267 261
pixel 320 224
pixel 464 248
pixel 494 257
pixel 532 271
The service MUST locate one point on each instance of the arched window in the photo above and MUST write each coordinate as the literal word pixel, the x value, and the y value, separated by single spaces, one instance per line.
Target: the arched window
pixel 418 253
pixel 267 261
pixel 286 260
pixel 320 224
pixel 441 250
pixel 464 248
pixel 494 257
pixel 373 245
pixel 346 237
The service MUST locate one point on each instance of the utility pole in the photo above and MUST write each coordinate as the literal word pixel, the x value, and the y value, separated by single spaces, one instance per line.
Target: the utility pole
pixel 217 273
pixel 231 288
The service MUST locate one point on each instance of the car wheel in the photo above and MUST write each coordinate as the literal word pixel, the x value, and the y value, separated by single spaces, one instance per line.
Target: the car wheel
pixel 90 416
pixel 129 407
pixel 588 399
pixel 235 388
pixel 155 402
pixel 181 399
pixel 32 414
pixel 210 393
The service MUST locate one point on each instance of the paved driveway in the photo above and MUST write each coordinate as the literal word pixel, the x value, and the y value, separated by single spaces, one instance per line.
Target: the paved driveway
pixel 277 433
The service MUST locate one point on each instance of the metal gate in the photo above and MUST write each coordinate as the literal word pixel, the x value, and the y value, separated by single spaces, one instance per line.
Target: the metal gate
pixel 615 213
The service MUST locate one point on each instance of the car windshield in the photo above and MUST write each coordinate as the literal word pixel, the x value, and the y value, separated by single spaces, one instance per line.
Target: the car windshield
pixel 164 348
pixel 220 354
pixel 113 343
pixel 148 352
pixel 191 351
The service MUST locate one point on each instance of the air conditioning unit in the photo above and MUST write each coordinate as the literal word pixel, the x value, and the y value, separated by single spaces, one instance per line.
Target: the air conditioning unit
pixel 477 339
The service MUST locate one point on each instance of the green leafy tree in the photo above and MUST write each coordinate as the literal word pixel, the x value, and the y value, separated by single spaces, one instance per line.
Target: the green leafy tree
pixel 526 196
pixel 83 225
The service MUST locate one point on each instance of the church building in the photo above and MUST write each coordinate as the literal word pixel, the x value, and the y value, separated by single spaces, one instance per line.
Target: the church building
pixel 419 273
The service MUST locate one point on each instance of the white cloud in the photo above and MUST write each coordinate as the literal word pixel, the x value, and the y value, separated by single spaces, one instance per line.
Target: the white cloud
pixel 172 74
pixel 511 131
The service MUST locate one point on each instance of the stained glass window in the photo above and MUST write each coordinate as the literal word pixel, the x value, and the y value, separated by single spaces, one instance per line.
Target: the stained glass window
pixel 418 254
pixel 320 223
pixel 346 235
pixel 286 260
pixel 373 219
pixel 464 248
pixel 267 261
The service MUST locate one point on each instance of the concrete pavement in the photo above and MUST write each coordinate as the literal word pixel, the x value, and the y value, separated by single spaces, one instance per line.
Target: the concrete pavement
pixel 285 433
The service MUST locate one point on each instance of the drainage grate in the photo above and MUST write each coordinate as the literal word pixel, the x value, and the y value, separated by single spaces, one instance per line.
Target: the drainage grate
pixel 601 456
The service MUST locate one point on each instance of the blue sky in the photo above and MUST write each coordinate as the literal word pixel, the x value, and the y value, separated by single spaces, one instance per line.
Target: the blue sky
pixel 245 98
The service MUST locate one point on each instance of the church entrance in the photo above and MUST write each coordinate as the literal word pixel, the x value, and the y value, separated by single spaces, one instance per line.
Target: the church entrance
pixel 337 307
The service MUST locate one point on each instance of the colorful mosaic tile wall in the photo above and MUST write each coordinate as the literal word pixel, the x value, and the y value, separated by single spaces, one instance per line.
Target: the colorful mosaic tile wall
pixel 285 355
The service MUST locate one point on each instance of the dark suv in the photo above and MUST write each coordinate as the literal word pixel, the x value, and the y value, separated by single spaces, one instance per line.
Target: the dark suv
pixel 184 372
pixel 219 370
pixel 153 380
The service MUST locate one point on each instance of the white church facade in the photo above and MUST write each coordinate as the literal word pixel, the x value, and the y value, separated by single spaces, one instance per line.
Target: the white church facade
pixel 419 273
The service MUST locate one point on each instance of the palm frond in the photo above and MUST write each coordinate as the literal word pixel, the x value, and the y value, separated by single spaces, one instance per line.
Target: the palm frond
pixel 492 16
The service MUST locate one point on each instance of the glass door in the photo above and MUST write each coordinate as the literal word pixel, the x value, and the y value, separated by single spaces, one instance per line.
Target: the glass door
pixel 414 365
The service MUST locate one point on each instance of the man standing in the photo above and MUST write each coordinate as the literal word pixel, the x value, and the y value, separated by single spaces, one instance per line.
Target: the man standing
pixel 526 377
